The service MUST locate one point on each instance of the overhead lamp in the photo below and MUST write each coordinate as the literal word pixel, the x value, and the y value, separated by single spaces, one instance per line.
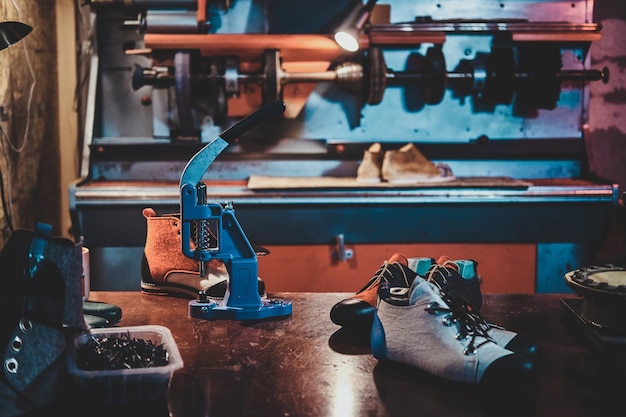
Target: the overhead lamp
pixel 12 32
pixel 348 34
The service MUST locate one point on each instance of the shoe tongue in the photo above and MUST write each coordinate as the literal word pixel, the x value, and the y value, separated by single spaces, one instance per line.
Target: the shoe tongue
pixel 424 289
pixel 395 282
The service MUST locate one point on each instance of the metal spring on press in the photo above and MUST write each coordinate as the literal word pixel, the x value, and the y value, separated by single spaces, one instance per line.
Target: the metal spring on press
pixel 202 235
pixel 201 232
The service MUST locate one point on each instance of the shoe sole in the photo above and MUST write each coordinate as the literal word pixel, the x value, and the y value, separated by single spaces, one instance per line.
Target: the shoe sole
pixel 419 180
pixel 171 290
pixel 368 180
pixel 109 312
pixel 178 291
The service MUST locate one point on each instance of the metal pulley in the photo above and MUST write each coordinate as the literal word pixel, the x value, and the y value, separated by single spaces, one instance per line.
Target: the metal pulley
pixel 527 76
pixel 435 86
pixel 272 76
pixel 538 84
pixel 375 76
pixel 530 74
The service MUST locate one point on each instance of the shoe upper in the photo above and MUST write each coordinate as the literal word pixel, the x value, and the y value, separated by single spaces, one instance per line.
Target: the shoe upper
pixel 432 335
pixel 395 281
pixel 407 163
pixel 392 279
pixel 457 282
pixel 369 169
pixel 458 279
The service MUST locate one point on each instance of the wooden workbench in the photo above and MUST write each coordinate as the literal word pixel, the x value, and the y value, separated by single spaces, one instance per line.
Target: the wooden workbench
pixel 305 366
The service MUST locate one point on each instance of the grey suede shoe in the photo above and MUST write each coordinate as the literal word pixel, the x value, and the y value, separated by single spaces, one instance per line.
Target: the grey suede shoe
pixel 459 281
pixel 443 340
pixel 40 306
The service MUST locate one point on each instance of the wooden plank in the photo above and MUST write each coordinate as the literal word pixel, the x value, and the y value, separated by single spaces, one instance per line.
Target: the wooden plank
pixel 259 182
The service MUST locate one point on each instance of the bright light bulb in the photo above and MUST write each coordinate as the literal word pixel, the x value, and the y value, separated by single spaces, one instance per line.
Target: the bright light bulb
pixel 347 40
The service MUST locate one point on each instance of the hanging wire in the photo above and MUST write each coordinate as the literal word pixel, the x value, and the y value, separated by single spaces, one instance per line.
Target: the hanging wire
pixel 8 212
pixel 7 194
pixel 20 148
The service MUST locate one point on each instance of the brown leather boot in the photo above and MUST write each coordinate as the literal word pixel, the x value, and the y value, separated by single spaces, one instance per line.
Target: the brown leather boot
pixel 408 165
pixel 369 168
pixel 165 270
pixel 41 310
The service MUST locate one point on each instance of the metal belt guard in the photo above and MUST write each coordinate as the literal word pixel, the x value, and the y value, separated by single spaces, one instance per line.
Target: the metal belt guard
pixel 216 234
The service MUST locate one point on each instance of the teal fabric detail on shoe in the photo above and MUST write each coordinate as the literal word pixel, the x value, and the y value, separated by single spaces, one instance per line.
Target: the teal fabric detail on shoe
pixel 466 269
pixel 421 265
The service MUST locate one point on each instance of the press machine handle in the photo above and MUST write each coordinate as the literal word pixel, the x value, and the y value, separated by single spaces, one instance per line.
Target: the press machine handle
pixel 273 109
pixel 200 162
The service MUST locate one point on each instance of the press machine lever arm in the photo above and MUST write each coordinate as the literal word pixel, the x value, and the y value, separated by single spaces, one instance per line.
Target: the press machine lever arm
pixel 200 162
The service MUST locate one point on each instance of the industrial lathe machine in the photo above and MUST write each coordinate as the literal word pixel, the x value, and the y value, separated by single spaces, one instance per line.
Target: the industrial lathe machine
pixel 497 90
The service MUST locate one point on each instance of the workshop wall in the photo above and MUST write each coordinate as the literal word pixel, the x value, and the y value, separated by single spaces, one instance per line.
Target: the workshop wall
pixel 30 162
pixel 32 150
pixel 606 141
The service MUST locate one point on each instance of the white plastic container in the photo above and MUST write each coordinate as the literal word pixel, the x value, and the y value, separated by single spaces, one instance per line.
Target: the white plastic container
pixel 126 386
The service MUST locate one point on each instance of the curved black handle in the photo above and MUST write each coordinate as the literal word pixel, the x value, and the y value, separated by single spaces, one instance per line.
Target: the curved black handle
pixel 270 110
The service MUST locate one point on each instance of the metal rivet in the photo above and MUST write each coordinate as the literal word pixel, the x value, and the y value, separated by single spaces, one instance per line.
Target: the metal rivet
pixel 469 352
pixel 448 320
pixel 11 365
pixel 26 325
pixel 16 344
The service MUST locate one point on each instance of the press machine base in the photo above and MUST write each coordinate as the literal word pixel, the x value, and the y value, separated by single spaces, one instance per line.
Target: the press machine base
pixel 242 300
pixel 212 310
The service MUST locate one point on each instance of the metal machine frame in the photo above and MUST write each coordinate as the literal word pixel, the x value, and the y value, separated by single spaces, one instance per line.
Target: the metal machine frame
pixel 161 88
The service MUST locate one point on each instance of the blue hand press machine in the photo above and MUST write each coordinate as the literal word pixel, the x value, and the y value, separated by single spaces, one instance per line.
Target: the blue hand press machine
pixel 211 231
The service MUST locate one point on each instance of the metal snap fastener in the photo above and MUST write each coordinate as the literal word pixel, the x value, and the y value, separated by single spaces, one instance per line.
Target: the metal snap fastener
pixel 11 365
pixel 25 325
pixel 16 344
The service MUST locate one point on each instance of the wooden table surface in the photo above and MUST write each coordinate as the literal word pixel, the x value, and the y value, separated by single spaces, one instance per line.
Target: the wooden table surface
pixel 304 365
